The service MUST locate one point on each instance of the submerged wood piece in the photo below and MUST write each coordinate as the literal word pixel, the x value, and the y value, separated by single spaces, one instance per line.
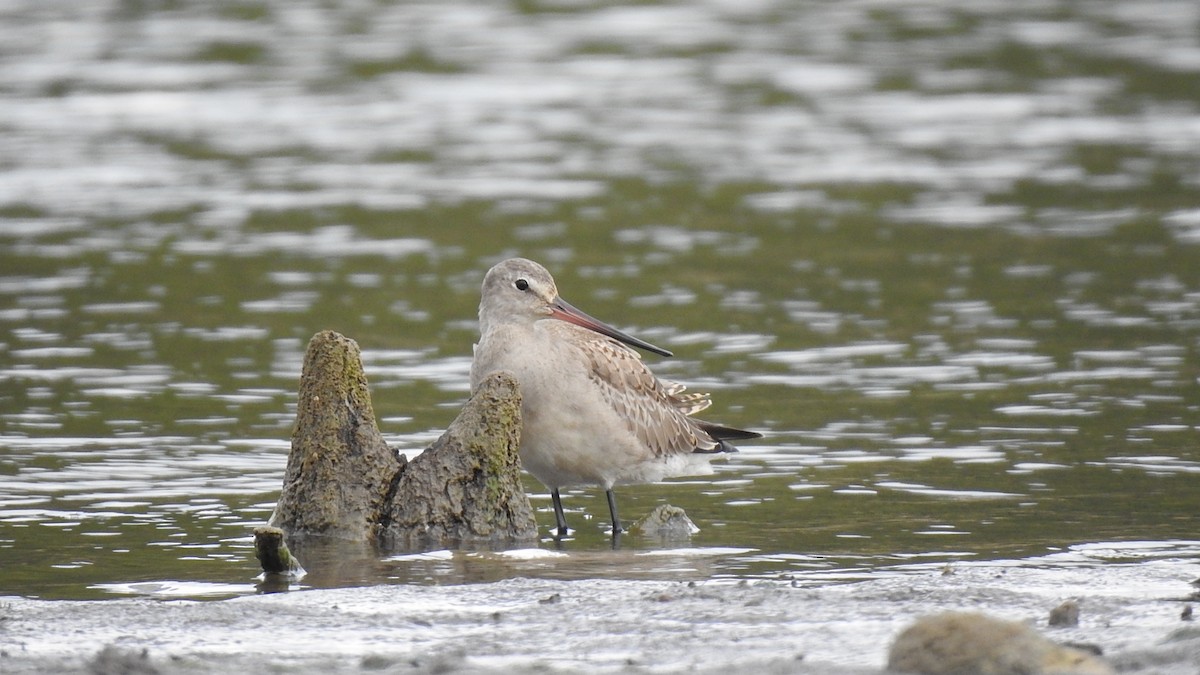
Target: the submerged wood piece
pixel 340 469
pixel 273 554
pixel 344 484
pixel 467 486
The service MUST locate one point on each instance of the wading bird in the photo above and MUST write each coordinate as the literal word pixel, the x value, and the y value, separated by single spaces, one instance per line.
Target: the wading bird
pixel 592 412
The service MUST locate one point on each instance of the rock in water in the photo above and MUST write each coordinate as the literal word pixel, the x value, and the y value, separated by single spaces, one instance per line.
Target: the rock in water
pixel 667 522
pixel 340 470
pixel 967 642
pixel 1066 614
pixel 466 488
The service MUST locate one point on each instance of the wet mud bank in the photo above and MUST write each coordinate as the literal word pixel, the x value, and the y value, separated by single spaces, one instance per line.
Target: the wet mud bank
pixel 1132 613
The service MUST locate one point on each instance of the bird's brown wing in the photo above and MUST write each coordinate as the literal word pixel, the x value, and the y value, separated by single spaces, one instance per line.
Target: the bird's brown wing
pixel 653 411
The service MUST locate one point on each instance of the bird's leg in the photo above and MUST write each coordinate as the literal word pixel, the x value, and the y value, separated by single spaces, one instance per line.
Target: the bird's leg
pixel 612 510
pixel 559 519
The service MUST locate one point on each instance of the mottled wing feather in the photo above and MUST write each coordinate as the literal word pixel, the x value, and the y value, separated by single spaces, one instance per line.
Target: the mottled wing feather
pixel 690 404
pixel 655 412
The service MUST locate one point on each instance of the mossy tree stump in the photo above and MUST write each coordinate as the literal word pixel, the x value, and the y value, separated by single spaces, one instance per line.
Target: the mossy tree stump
pixel 343 482
pixel 339 469
pixel 467 486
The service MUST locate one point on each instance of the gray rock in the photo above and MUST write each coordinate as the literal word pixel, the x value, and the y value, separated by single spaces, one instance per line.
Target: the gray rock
pixel 968 642
pixel 1066 614
pixel 667 522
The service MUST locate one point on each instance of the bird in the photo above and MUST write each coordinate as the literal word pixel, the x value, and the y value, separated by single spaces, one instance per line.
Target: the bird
pixel 592 411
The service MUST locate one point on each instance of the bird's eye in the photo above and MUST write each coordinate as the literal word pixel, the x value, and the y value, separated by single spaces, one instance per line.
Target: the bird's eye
pixel 521 285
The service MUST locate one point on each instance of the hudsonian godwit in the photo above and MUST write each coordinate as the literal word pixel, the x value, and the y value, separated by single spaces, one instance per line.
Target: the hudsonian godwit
pixel 592 412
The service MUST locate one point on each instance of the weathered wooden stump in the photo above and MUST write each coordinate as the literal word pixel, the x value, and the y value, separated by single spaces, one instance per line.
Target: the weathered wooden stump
pixel 340 470
pixel 466 488
pixel 343 482
pixel 272 552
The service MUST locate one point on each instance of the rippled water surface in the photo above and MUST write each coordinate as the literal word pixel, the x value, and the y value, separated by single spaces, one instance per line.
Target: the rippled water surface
pixel 945 257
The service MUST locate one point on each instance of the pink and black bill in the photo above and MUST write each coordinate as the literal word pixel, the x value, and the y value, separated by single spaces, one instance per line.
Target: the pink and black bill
pixel 565 311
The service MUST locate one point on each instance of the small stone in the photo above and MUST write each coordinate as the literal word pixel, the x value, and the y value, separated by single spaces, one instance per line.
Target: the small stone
pixel 668 522
pixel 1066 614
pixel 113 660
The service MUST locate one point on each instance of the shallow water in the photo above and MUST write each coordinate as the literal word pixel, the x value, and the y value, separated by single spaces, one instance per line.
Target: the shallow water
pixel 944 257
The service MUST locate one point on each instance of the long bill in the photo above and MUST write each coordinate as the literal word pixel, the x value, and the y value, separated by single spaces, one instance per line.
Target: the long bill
pixel 565 311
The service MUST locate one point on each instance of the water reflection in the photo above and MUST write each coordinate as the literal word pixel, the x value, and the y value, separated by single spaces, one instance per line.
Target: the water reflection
pixel 944 256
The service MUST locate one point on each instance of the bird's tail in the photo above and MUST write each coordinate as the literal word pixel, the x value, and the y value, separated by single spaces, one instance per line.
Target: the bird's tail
pixel 721 434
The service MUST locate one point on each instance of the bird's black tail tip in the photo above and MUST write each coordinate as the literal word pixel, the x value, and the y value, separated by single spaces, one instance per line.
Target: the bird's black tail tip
pixel 722 434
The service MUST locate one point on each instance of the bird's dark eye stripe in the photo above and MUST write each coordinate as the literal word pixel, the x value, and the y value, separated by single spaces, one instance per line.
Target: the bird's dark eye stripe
pixel 522 285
